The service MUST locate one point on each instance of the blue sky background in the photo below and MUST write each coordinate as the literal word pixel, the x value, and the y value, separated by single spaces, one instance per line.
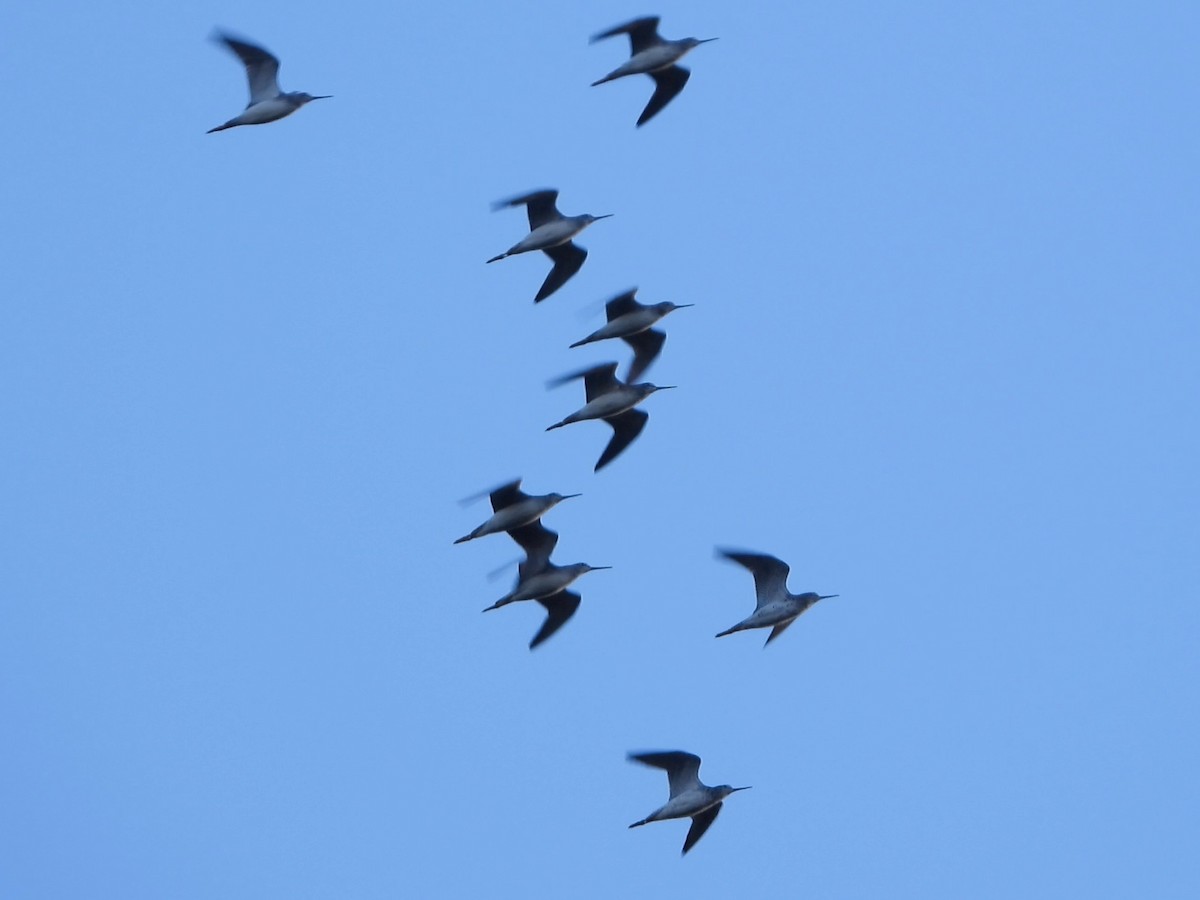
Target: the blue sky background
pixel 942 360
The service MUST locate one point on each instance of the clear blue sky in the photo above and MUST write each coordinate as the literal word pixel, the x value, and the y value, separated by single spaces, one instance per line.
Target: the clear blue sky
pixel 943 360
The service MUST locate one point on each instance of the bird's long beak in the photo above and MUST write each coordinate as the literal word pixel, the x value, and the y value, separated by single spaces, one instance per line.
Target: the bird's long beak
pixel 735 790
pixel 707 40
pixel 683 305
pixel 569 496
pixel 665 387
pixel 594 568
pixel 605 216
pixel 827 596
pixel 324 97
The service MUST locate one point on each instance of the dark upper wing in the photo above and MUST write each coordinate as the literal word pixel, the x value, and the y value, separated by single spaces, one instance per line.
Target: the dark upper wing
pixel 646 347
pixel 539 204
pixel 770 573
pixel 507 495
pixel 568 258
pixel 667 83
pixel 700 823
pixel 683 769
pixel 622 304
pixel 559 609
pixel 626 426
pixel 643 33
pixel 597 380
pixel 262 69
pixel 778 630
pixel 538 542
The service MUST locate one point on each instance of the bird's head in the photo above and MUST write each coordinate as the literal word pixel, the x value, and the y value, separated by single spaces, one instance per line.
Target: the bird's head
pixel 647 389
pixel 813 597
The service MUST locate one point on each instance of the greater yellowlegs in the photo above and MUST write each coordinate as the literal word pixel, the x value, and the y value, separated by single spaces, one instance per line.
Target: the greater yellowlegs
pixel 267 101
pixel 655 56
pixel 612 400
pixel 539 579
pixel 776 606
pixel 551 232
pixel 513 508
pixel 689 796
pixel 630 321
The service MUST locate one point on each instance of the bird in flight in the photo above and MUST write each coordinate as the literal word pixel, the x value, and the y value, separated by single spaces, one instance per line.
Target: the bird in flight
pixel 690 797
pixel 653 55
pixel 267 102
pixel 777 607
pixel 551 232
pixel 612 400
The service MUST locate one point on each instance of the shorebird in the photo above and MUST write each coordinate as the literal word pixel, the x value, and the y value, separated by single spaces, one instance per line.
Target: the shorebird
pixel 689 796
pixel 612 400
pixel 777 606
pixel 539 579
pixel 267 101
pixel 513 508
pixel 551 232
pixel 654 56
pixel 630 321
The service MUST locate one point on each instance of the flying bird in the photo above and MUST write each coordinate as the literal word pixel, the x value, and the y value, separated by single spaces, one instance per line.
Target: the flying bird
pixel 551 232
pixel 267 101
pixel 539 579
pixel 630 321
pixel 612 400
pixel 776 606
pixel 652 55
pixel 689 796
pixel 512 508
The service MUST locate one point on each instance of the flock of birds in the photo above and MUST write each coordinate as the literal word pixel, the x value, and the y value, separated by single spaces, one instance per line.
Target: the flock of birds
pixel 608 398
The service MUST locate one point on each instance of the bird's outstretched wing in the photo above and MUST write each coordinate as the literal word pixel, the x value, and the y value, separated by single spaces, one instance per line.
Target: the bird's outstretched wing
pixel 777 631
pixel 667 83
pixel 682 768
pixel 770 573
pixel 597 380
pixel 568 259
pixel 622 304
pixel 559 609
pixel 700 823
pixel 262 69
pixel 626 427
pixel 643 34
pixel 538 542
pixel 646 347
pixel 538 204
